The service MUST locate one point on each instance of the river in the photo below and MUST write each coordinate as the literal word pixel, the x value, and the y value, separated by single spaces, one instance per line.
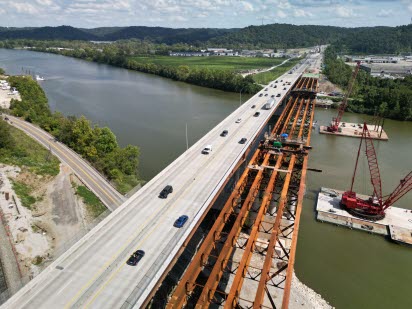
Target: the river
pixel 350 269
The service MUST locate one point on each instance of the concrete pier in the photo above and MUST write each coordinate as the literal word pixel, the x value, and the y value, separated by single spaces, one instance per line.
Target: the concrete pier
pixel 397 223
pixel 355 130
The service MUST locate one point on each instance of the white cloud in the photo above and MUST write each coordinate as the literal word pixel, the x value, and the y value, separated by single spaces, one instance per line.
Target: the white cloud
pixel 344 12
pixel 281 14
pixel 45 2
pixel 301 13
pixel 247 6
pixel 24 8
pixel 385 13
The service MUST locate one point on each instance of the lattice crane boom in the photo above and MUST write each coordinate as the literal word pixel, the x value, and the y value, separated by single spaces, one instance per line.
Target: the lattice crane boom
pixel 336 121
pixel 404 187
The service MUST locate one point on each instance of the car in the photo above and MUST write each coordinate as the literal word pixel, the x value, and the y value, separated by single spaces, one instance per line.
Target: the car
pixel 281 80
pixel 238 120
pixel 242 140
pixel 135 258
pixel 253 106
pixel 266 89
pixel 283 84
pixel 180 221
pixel 284 88
pixel 276 81
pixel 6 118
pixel 272 96
pixel 166 191
pixel 224 133
pixel 260 95
pixel 266 95
pixel 278 95
pixel 275 86
pixel 207 149
pixel 256 114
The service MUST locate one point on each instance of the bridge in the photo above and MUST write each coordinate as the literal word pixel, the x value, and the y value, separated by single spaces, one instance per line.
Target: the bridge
pixel 94 274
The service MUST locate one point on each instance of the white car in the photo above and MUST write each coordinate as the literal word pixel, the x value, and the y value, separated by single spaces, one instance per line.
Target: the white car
pixel 238 120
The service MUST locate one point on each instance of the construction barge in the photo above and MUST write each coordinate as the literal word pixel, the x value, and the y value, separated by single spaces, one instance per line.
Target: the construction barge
pixel 397 224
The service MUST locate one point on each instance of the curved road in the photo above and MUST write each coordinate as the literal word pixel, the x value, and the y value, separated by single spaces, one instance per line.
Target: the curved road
pixel 88 175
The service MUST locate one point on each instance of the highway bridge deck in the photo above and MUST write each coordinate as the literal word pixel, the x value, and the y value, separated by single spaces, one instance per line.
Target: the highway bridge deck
pixel 94 274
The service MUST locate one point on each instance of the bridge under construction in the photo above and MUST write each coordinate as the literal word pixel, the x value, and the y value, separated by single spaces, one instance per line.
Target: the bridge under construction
pixel 246 260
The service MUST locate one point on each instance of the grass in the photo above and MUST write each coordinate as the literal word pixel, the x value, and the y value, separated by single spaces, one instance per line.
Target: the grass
pixel 26 152
pixel 93 205
pixel 23 192
pixel 266 77
pixel 213 62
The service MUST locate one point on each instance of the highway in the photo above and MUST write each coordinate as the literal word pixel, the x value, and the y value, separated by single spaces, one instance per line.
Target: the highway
pixel 94 274
pixel 110 197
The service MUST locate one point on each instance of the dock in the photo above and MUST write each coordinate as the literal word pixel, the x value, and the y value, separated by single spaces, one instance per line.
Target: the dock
pixel 397 223
pixel 355 130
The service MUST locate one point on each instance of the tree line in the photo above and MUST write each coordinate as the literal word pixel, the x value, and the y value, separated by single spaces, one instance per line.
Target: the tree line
pixel 97 145
pixel 355 40
pixel 390 98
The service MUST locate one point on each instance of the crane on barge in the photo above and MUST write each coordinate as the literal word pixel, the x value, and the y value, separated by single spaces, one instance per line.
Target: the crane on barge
pixel 374 207
pixel 334 126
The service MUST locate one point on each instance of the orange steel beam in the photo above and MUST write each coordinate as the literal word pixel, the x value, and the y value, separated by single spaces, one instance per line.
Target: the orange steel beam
pixel 292 253
pixel 179 295
pixel 221 262
pixel 244 263
pixel 271 246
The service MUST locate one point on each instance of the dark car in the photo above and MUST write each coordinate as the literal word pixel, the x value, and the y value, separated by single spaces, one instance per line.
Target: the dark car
pixel 165 192
pixel 180 221
pixel 243 140
pixel 275 86
pixel 260 94
pixel 284 88
pixel 272 96
pixel 266 95
pixel 6 118
pixel 276 81
pixel 135 258
pixel 266 89
pixel 278 95
pixel 257 114
pixel 253 106
pixel 224 133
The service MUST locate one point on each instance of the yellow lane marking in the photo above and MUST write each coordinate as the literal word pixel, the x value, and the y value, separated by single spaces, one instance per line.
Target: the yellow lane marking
pixel 64 155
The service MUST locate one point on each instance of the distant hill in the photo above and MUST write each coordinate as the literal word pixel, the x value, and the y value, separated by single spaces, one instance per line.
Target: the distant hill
pixel 358 40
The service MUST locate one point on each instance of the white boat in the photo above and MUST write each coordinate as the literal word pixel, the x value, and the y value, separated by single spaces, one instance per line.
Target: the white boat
pixel 39 78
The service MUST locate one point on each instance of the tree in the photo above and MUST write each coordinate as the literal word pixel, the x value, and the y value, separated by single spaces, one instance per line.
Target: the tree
pixel 6 140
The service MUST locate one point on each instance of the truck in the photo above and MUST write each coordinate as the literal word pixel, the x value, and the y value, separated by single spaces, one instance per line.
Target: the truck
pixel 269 103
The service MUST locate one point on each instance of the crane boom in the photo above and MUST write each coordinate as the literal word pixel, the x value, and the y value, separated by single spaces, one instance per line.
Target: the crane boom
pixel 374 207
pixel 336 121
pixel 404 187
pixel 373 164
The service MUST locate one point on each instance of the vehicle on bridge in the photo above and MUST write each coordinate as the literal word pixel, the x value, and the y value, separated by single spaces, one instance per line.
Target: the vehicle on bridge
pixel 135 258
pixel 243 140
pixel 207 149
pixel 181 221
pixel 256 114
pixel 238 120
pixel 224 133
pixel 269 104
pixel 166 191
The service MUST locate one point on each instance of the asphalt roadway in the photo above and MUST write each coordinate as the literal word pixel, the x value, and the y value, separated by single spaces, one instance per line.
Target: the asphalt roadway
pixel 109 196
pixel 94 274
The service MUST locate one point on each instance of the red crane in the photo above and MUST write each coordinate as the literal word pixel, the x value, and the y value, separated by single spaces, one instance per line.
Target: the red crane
pixel 374 207
pixel 336 121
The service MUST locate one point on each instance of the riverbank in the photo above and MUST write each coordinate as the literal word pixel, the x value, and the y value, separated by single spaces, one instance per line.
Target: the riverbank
pixel 95 144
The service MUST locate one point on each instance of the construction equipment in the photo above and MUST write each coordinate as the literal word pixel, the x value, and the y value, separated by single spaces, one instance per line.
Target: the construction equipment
pixel 374 207
pixel 334 127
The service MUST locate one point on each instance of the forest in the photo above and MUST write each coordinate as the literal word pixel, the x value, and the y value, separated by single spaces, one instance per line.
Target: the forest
pixel 390 98
pixel 97 145
pixel 356 40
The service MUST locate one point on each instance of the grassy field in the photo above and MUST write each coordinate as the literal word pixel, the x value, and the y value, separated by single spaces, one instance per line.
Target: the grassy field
pixel 215 62
pixel 93 205
pixel 29 154
pixel 266 77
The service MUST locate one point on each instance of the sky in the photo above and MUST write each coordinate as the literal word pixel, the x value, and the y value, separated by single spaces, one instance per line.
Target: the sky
pixel 203 13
